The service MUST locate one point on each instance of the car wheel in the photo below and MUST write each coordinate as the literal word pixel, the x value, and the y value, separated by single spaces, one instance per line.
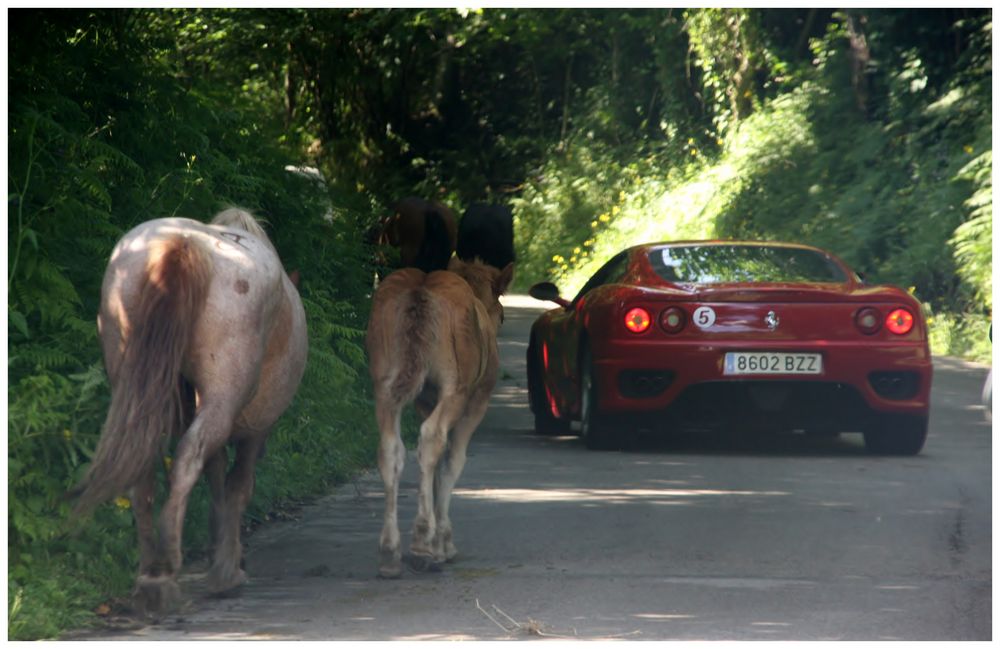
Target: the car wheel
pixel 595 428
pixel 896 434
pixel 545 422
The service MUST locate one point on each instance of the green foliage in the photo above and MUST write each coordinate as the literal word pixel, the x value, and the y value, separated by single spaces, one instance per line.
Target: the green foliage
pixel 973 239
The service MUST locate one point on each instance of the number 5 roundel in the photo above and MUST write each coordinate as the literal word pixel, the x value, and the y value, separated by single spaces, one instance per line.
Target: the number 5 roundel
pixel 704 317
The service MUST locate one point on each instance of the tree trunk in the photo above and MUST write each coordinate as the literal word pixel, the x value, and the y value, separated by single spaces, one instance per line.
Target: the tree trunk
pixel 291 88
pixel 741 89
pixel 567 85
pixel 860 57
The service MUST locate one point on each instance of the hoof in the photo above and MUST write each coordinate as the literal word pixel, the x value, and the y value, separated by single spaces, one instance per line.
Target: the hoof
pixel 390 565
pixel 223 585
pixel 390 573
pixel 156 596
pixel 423 563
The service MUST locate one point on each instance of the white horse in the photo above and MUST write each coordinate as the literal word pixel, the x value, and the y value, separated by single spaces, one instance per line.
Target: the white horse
pixel 204 339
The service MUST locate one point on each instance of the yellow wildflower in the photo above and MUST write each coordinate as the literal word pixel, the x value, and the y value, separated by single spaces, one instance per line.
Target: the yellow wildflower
pixel 615 210
pixel 168 462
pixel 68 434
pixel 565 267
pixel 122 502
pixel 576 251
pixel 593 224
pixel 621 196
pixel 694 151
pixel 604 218
pixel 968 149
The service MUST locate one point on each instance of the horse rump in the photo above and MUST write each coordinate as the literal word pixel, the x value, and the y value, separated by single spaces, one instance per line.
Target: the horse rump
pixel 401 333
pixel 148 395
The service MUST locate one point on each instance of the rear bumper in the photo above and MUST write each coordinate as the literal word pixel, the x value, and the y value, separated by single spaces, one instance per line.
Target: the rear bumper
pixel 639 376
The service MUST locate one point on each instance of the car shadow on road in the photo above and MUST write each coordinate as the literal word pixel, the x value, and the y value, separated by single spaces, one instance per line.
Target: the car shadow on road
pixel 730 442
pixel 726 442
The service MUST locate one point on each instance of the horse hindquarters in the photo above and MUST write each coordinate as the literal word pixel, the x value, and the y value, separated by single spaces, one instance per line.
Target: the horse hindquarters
pixel 144 348
pixel 146 395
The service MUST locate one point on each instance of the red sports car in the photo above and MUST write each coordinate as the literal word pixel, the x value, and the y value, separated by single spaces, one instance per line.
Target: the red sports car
pixel 750 335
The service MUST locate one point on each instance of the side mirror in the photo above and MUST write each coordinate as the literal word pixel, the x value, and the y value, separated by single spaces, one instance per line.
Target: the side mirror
pixel 547 292
pixel 861 277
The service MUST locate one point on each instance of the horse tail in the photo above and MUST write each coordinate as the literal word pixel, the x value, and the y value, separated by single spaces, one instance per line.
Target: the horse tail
pixel 147 400
pixel 414 344
pixel 435 249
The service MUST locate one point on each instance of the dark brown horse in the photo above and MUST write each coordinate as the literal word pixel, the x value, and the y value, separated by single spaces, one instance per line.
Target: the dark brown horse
pixel 204 339
pixel 424 232
pixel 432 339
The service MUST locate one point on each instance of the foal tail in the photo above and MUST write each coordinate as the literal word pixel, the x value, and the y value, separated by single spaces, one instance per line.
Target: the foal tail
pixel 413 346
pixel 147 401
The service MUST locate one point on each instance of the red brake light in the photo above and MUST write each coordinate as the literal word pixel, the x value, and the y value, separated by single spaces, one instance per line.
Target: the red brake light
pixel 868 320
pixel 899 322
pixel 673 319
pixel 637 320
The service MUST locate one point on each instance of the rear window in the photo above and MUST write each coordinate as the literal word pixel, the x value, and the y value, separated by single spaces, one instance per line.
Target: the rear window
pixel 722 264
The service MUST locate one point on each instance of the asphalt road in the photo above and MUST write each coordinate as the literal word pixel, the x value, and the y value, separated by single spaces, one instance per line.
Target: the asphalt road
pixel 788 538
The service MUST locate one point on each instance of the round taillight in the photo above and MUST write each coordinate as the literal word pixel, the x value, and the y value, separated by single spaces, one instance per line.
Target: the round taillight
pixel 899 322
pixel 868 320
pixel 673 319
pixel 637 320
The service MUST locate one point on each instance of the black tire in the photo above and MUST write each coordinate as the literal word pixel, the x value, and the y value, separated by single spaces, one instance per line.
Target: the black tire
pixel 545 422
pixel 896 434
pixel 595 427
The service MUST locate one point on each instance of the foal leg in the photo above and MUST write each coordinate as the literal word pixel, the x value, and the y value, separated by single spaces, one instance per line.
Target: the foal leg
pixel 448 472
pixel 433 440
pixel 226 573
pixel 391 456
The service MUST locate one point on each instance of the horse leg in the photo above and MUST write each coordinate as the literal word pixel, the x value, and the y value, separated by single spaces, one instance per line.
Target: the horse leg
pixel 433 441
pixel 142 509
pixel 226 573
pixel 157 589
pixel 215 474
pixel 448 472
pixel 391 456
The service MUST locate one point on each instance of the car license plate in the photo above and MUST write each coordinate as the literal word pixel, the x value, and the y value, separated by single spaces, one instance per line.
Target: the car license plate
pixel 772 363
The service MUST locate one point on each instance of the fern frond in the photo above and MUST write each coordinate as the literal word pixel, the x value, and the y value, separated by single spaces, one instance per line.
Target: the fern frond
pixel 40 357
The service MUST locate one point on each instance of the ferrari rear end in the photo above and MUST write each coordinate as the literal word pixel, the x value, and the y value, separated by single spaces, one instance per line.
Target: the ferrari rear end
pixel 767 337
